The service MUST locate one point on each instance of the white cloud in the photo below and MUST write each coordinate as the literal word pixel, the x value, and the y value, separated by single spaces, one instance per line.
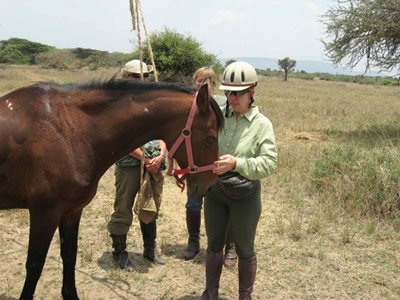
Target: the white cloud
pixel 314 8
pixel 228 16
pixel 241 2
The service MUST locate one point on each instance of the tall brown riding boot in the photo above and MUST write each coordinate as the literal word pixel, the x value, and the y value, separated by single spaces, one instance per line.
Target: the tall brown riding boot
pixel 247 276
pixel 230 253
pixel 193 221
pixel 120 255
pixel 149 233
pixel 213 274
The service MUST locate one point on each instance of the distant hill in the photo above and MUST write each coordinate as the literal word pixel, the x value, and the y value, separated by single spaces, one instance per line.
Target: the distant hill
pixel 309 66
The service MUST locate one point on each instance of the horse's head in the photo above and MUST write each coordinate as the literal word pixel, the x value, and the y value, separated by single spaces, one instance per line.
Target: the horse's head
pixel 207 121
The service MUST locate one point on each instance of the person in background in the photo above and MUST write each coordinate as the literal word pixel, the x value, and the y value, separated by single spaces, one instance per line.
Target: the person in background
pixel 247 150
pixel 127 184
pixel 194 204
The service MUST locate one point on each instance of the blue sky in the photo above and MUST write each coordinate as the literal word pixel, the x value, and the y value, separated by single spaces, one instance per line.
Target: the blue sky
pixel 226 28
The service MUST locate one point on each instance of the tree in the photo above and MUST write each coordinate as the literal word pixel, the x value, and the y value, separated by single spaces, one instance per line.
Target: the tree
pixel 20 51
pixel 218 68
pixel 229 61
pixel 12 55
pixel 176 55
pixel 364 30
pixel 287 65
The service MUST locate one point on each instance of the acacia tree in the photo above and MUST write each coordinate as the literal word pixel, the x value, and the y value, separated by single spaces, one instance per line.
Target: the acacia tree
pixel 364 30
pixel 287 65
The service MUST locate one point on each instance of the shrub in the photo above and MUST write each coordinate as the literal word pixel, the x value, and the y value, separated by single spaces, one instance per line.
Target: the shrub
pixel 386 82
pixel 176 54
pixel 366 182
pixel 12 55
pixel 57 59
pixel 20 51
pixel 77 58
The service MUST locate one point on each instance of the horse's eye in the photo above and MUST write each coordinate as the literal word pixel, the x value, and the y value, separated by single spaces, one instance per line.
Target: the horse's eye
pixel 211 140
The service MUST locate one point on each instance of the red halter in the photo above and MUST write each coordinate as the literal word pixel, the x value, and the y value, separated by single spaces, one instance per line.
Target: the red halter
pixel 185 136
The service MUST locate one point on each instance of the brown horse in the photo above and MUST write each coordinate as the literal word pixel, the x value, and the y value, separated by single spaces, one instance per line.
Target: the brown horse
pixel 56 141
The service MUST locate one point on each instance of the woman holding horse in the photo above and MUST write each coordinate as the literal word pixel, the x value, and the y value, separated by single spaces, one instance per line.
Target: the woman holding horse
pixel 247 153
pixel 127 184
pixel 194 204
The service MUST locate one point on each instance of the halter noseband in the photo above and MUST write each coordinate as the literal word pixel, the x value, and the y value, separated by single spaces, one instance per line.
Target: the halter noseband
pixel 185 136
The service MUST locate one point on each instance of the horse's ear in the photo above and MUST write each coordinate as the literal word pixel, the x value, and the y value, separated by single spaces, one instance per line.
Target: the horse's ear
pixel 203 101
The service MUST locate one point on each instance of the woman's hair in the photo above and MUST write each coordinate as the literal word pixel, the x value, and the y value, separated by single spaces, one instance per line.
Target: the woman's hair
pixel 206 72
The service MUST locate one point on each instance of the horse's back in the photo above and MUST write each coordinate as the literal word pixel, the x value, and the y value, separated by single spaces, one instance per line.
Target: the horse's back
pixel 20 111
pixel 32 155
pixel 22 107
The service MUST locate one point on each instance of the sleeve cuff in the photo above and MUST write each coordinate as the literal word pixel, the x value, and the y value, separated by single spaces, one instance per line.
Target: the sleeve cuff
pixel 239 164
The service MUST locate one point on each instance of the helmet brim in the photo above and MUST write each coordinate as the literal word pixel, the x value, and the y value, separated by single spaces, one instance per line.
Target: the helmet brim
pixel 149 68
pixel 235 87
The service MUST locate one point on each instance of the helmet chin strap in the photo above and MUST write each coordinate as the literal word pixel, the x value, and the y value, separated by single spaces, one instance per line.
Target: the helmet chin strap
pixel 251 101
pixel 227 108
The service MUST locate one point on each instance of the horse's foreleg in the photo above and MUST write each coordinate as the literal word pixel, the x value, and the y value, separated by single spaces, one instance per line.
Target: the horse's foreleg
pixel 42 228
pixel 68 228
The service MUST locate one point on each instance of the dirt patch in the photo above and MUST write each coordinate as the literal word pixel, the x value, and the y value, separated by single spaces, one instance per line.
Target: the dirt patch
pixel 310 136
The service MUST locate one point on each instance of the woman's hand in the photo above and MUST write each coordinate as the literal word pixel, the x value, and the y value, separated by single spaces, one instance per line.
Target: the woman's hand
pixel 225 163
pixel 153 164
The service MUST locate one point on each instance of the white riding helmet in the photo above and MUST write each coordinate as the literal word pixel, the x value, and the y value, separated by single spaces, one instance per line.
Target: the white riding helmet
pixel 133 66
pixel 238 76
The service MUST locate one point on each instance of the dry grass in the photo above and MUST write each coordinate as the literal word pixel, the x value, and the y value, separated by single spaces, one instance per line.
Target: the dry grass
pixel 306 248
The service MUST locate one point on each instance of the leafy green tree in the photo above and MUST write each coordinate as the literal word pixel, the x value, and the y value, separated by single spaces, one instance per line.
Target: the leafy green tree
pixel 175 55
pixel 12 55
pixel 218 68
pixel 229 61
pixel 83 53
pixel 21 51
pixel 287 65
pixel 364 30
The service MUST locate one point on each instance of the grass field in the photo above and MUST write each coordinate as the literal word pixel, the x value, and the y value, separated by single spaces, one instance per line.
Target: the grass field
pixel 330 226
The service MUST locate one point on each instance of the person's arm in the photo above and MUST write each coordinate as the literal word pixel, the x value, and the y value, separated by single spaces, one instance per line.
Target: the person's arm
pixel 153 164
pixel 264 163
pixel 137 153
pixel 258 156
pixel 163 148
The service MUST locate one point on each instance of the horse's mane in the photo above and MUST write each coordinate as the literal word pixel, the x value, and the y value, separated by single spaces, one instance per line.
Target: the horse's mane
pixel 218 112
pixel 123 84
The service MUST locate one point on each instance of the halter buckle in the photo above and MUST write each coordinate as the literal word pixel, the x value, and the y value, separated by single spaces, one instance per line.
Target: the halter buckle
pixel 192 169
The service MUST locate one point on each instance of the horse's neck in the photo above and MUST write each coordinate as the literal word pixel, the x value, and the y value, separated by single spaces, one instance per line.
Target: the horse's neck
pixel 131 121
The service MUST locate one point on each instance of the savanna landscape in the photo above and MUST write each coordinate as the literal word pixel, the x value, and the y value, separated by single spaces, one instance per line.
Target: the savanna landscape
pixel 330 225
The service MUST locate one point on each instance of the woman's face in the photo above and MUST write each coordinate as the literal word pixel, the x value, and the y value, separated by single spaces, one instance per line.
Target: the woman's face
pixel 199 81
pixel 239 101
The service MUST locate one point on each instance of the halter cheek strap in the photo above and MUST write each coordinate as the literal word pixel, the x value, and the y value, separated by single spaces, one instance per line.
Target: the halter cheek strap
pixel 185 136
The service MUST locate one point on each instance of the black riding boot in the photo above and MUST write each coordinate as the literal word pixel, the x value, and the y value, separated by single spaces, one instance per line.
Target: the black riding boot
pixel 149 233
pixel 193 221
pixel 247 276
pixel 213 274
pixel 120 255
